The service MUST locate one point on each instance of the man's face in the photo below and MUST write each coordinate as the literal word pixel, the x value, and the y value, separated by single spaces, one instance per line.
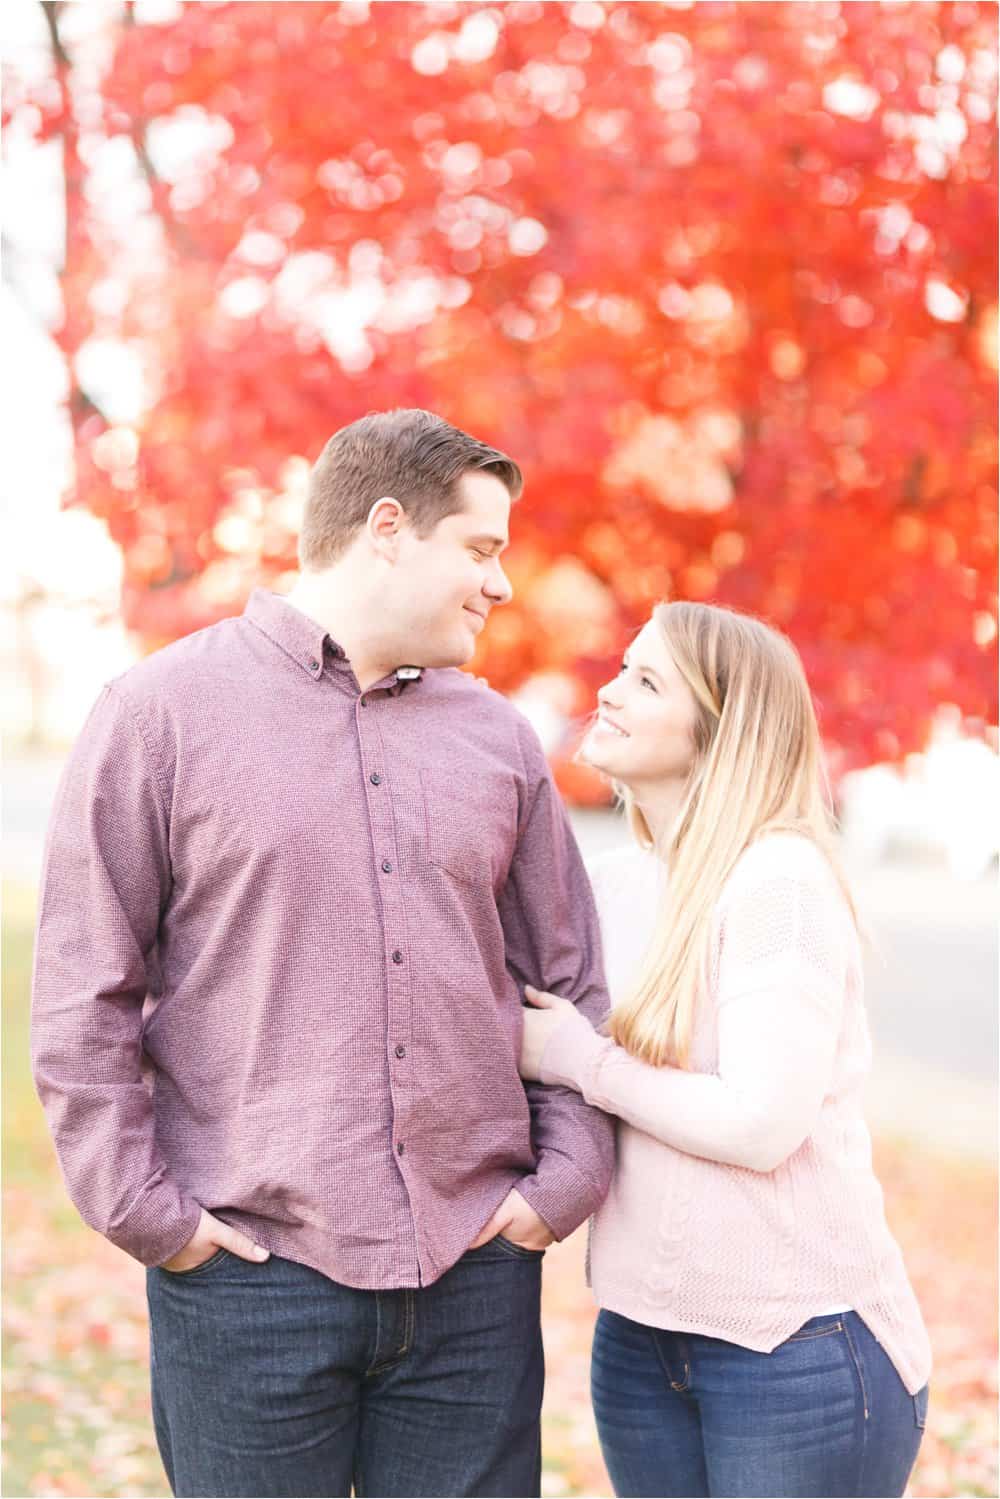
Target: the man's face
pixel 447 582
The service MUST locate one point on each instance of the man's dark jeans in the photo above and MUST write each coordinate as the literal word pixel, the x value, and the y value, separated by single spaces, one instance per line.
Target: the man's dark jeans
pixel 273 1379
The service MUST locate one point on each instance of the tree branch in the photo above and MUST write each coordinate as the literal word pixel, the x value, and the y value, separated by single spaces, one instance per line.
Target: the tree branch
pixel 51 10
pixel 138 136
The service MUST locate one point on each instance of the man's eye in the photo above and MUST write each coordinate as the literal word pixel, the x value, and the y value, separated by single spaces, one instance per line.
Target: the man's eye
pixel 647 683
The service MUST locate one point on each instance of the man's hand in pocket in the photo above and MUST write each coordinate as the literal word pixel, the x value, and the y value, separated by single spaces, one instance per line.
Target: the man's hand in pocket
pixel 518 1222
pixel 210 1235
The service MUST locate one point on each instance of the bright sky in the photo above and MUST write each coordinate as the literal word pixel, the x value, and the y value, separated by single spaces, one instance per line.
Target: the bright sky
pixel 67 552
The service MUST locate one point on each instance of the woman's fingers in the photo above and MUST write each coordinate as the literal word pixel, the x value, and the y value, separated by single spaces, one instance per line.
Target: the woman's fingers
pixel 541 998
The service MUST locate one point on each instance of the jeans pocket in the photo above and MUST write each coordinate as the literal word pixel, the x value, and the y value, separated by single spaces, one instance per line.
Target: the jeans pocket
pixel 858 1366
pixel 811 1330
pixel 517 1249
pixel 920 1400
pixel 213 1259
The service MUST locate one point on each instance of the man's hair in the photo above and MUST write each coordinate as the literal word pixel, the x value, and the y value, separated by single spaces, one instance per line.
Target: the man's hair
pixel 412 455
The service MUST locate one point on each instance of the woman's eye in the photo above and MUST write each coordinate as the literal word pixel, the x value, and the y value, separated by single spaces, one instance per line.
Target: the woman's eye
pixel 644 681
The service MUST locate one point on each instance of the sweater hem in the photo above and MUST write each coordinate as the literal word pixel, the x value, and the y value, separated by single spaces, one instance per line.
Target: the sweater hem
pixel 638 1309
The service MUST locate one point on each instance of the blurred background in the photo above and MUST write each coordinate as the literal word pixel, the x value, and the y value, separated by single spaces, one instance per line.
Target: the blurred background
pixel 723 279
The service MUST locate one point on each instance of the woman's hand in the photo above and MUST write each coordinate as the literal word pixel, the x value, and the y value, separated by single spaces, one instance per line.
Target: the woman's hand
pixel 540 1024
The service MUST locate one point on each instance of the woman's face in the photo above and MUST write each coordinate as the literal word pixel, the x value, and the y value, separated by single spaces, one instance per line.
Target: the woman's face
pixel 644 730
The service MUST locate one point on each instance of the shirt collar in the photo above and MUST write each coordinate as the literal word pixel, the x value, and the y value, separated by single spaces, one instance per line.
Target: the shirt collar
pixel 303 638
pixel 300 637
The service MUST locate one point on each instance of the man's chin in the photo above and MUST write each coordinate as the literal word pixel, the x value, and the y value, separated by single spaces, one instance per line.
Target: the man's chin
pixel 460 653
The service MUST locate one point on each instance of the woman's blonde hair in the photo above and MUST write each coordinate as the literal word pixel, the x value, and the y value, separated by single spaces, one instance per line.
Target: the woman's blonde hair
pixel 757 769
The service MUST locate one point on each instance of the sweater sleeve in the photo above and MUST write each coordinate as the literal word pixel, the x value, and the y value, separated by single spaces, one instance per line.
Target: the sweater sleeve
pixel 780 986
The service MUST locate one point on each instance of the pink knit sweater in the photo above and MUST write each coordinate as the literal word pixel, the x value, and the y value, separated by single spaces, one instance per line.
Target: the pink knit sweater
pixel 744 1200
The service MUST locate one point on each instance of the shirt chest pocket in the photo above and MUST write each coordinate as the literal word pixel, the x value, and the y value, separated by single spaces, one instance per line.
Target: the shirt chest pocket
pixel 470 823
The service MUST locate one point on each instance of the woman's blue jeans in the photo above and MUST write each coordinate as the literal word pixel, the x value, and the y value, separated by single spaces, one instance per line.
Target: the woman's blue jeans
pixel 273 1379
pixel 824 1414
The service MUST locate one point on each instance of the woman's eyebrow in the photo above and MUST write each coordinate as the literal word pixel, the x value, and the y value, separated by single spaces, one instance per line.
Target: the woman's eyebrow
pixel 649 670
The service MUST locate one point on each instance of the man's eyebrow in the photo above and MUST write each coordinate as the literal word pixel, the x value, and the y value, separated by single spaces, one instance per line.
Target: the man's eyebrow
pixel 500 543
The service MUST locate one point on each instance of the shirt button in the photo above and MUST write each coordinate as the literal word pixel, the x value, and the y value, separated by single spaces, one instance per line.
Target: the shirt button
pixel 364 702
pixel 401 1052
pixel 400 1148
pixel 375 778
pixel 386 867
pixel 314 665
pixel 397 956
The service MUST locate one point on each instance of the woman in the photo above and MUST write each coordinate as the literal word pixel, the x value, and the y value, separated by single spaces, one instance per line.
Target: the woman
pixel 758 1334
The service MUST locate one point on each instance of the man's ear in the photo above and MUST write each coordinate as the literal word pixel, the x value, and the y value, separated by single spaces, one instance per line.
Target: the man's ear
pixel 384 525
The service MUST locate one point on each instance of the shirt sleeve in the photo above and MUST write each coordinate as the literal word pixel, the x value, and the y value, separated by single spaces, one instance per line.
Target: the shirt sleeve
pixel 781 983
pixel 105 882
pixel 553 942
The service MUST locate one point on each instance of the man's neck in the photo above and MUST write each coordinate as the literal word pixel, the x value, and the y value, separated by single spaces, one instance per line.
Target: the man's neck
pixel 341 609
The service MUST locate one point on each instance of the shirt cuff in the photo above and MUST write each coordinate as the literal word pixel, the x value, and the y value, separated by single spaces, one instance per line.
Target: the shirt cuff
pixel 559 1193
pixel 572 1054
pixel 158 1225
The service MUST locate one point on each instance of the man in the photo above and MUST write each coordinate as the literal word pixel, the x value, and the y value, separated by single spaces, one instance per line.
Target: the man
pixel 298 872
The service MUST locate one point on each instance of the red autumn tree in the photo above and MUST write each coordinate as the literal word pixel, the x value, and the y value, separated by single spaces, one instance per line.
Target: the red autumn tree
pixel 722 277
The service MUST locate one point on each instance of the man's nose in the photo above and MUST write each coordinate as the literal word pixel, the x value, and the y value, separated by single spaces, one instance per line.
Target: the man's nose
pixel 497 585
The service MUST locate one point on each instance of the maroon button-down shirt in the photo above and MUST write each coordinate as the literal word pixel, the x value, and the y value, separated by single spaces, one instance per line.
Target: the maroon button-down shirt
pixel 282 935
